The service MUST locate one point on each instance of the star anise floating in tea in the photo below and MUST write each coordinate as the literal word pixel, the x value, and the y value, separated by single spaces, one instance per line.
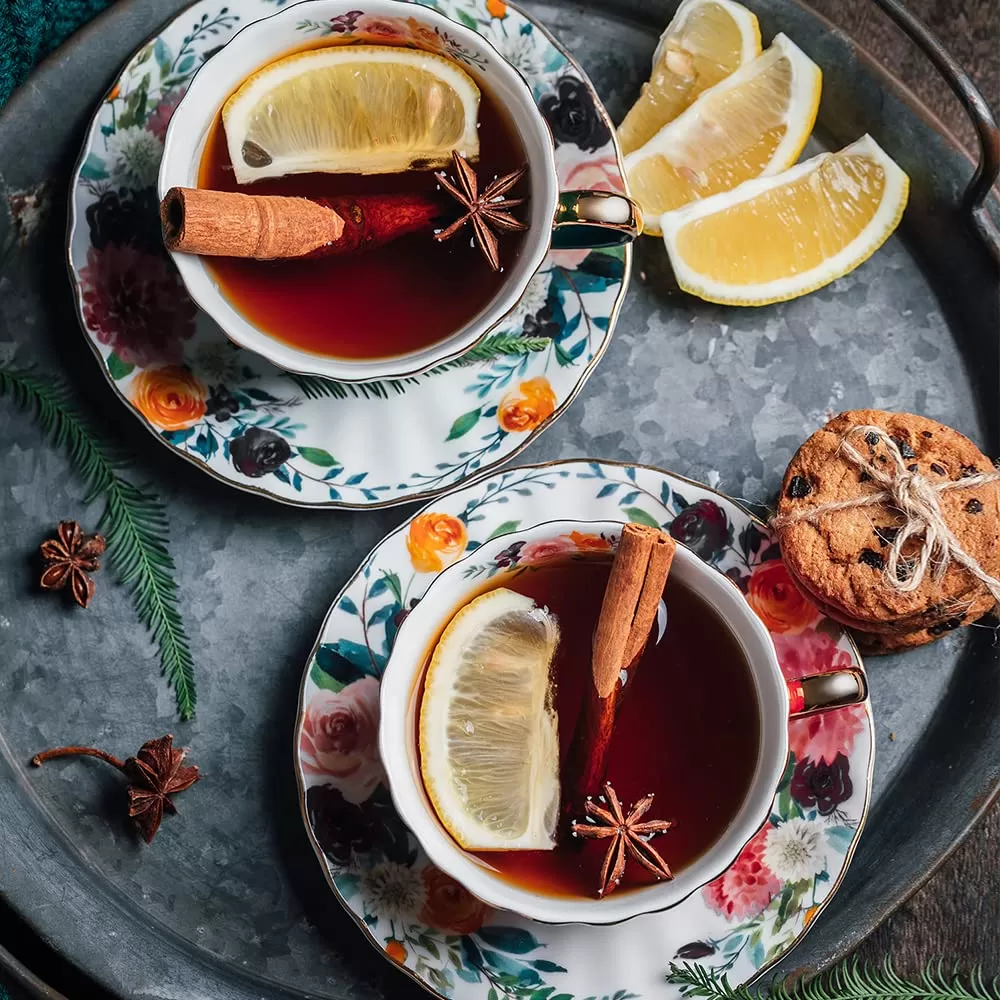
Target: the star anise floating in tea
pixel 487 210
pixel 69 559
pixel 155 773
pixel 630 837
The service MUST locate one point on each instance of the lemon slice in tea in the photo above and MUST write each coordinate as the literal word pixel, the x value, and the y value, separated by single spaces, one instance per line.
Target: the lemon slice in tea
pixel 489 748
pixel 361 109
pixel 705 42
pixel 778 237
pixel 754 122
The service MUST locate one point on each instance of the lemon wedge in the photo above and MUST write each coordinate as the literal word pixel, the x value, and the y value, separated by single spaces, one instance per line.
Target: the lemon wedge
pixel 754 122
pixel 776 238
pixel 705 42
pixel 489 749
pixel 361 109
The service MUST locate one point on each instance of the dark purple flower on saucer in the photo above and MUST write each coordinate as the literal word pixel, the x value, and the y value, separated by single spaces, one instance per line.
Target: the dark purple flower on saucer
pixel 126 218
pixel 509 556
pixel 741 579
pixel 825 786
pixel 257 451
pixel 703 528
pixel 341 827
pixel 345 22
pixel 221 404
pixel 541 324
pixel 573 116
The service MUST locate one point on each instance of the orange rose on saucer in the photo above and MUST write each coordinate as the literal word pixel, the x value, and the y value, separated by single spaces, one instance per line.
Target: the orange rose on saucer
pixel 525 407
pixel 395 950
pixel 449 905
pixel 779 603
pixel 496 8
pixel 170 398
pixel 435 541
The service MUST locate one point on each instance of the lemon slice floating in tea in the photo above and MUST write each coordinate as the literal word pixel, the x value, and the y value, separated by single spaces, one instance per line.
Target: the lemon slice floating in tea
pixel 705 42
pixel 360 109
pixel 779 237
pixel 489 748
pixel 754 122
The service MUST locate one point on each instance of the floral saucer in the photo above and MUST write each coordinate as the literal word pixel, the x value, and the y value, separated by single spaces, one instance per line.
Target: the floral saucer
pixel 428 924
pixel 299 439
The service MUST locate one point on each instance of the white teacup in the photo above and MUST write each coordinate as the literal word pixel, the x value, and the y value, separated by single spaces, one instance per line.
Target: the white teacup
pixel 575 218
pixel 776 699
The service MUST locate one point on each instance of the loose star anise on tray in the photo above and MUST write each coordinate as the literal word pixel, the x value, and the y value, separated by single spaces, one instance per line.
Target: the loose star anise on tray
pixel 486 210
pixel 69 559
pixel 630 837
pixel 155 773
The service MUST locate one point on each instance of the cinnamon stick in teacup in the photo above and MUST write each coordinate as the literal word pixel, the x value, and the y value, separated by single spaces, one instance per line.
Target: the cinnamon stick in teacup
pixel 269 227
pixel 631 599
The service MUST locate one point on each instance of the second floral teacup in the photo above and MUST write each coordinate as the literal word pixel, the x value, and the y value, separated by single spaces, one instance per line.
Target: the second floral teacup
pixel 502 560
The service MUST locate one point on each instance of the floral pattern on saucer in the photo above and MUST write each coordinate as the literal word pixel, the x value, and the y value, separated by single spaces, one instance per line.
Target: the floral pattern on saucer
pixel 299 439
pixel 430 925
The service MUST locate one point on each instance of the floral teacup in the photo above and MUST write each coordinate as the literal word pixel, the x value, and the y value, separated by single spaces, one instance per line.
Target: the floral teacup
pixel 571 219
pixel 777 699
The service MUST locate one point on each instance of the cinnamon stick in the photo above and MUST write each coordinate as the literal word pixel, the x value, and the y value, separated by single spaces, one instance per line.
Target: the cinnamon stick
pixel 268 227
pixel 628 612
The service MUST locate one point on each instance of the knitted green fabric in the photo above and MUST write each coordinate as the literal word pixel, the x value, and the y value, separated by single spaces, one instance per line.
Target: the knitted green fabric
pixel 30 29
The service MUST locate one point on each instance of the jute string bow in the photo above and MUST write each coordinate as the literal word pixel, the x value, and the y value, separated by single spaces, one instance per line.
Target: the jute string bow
pixel 916 498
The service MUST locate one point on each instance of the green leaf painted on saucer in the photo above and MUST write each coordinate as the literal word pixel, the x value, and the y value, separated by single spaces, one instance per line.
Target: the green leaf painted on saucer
pixel 117 368
pixel 640 516
pixel 323 680
pixel 318 456
pixel 464 424
pixel 503 529
pixel 514 940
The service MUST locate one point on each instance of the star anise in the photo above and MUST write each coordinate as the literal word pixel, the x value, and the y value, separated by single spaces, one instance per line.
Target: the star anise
pixel 630 837
pixel 69 558
pixel 488 210
pixel 155 773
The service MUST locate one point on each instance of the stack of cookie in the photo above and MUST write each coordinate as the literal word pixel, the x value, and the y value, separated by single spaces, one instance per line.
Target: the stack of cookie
pixel 839 545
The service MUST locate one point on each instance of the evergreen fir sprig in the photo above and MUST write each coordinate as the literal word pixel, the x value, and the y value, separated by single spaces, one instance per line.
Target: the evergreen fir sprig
pixel 133 520
pixel 497 345
pixel 851 980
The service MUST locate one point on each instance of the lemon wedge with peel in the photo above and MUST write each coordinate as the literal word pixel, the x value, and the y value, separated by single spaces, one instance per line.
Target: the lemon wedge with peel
pixel 705 42
pixel 361 109
pixel 489 748
pixel 776 238
pixel 754 122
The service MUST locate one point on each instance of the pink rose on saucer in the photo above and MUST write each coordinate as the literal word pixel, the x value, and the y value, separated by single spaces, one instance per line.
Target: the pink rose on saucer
pixel 546 548
pixel 590 175
pixel 821 737
pixel 160 116
pixel 810 652
pixel 748 886
pixel 340 738
pixel 385 29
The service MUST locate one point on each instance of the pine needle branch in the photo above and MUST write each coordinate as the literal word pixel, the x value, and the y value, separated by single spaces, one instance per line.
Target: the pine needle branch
pixel 496 346
pixel 133 520
pixel 850 980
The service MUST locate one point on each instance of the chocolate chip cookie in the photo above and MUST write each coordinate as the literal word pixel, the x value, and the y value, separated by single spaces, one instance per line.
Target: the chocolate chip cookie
pixel 840 557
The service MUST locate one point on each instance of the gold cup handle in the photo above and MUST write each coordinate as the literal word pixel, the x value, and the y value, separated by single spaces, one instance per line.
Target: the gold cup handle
pixel 594 220
pixel 822 692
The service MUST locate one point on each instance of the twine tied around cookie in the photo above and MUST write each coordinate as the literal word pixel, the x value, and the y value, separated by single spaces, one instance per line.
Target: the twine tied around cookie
pixel 916 498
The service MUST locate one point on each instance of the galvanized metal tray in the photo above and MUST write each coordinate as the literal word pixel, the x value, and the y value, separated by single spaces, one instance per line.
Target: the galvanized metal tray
pixel 228 903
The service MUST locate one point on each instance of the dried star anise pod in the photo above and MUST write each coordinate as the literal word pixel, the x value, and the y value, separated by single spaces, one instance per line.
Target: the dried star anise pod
pixel 69 559
pixel 487 210
pixel 630 838
pixel 155 773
